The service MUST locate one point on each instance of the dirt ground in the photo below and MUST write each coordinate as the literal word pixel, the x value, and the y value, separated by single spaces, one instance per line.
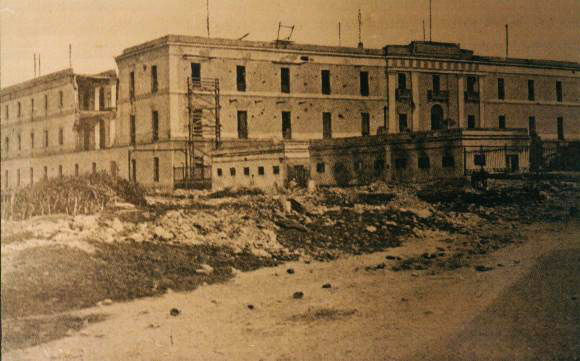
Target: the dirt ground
pixel 525 309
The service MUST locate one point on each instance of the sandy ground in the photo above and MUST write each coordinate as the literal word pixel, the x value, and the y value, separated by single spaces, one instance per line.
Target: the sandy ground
pixel 524 310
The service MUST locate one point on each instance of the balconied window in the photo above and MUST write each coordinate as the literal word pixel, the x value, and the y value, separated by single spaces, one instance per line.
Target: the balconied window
pixel 500 89
pixel 436 94
pixel 285 80
pixel 241 78
pixel 402 93
pixel 471 94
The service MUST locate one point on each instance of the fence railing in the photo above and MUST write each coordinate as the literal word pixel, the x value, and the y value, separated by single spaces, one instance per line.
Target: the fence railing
pixel 496 159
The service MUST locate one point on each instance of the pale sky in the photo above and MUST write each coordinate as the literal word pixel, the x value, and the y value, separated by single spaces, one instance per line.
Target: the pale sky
pixel 100 29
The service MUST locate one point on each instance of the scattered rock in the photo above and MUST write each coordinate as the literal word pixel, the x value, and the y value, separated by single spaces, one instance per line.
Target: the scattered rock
pixel 371 229
pixel 326 285
pixel 390 257
pixel 250 307
pixel 205 269
pixel 105 302
pixel 298 295
pixel 174 312
pixel 404 299
pixel 482 268
pixel 290 271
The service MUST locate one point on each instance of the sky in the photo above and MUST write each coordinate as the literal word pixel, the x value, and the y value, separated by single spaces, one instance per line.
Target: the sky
pixel 99 30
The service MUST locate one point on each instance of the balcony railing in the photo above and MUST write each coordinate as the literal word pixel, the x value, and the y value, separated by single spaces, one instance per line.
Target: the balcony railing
pixel 438 96
pixel 403 95
pixel 472 97
pixel 203 84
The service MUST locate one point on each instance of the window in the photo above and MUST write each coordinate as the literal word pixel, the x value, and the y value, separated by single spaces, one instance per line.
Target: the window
pixel 560 128
pixel 46 138
pixel 402 81
pixel 134 170
pixel 260 170
pixel 276 169
pixel 285 80
pixel 326 125
pixel 195 71
pixel 531 95
pixel 32 106
pixel 400 163
pixel 60 136
pixel 532 125
pixel 436 84
pixel 60 170
pixel 132 85
pixel 241 78
pixel 19 113
pixel 19 142
pixel 365 124
pixel 31 140
pixel 470 121
pixel 379 166
pixel 233 172
pixel 403 126
pixel 156 169
pixel 7 143
pixel 155 126
pixel 101 98
pixel 558 91
pixel 17 177
pixel 154 83
pixel 60 98
pixel 326 82
pixel 102 135
pixel 76 170
pixel 45 102
pixel 94 168
pixel 500 89
pixel 242 124
pixel 320 167
pixel 45 172
pixel 133 130
pixel 364 83
pixel 286 125
pixel 219 172
pixel 471 84
pixel 479 159
pixel 448 161
pixel 423 162
pixel 246 171
pixel 7 112
pixel 501 122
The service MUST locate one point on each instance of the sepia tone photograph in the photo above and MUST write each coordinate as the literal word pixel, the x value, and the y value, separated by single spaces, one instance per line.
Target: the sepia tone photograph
pixel 298 180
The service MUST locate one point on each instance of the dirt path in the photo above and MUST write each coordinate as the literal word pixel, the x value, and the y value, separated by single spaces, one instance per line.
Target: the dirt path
pixel 365 315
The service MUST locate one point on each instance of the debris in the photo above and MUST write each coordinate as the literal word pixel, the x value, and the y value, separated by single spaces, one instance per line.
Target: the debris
pixel 298 295
pixel 290 271
pixel 205 269
pixel 250 307
pixel 371 229
pixel 174 312
pixel 481 268
pixel 326 285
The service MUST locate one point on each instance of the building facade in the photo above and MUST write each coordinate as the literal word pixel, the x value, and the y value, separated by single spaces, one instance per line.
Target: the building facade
pixel 178 98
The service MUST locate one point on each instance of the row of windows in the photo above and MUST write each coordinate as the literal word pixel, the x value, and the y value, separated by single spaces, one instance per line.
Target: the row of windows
pixel 44 174
pixel 156 171
pixel 32 143
pixel 32 105
pixel 423 162
pixel 501 93
pixel 154 127
pixel 246 171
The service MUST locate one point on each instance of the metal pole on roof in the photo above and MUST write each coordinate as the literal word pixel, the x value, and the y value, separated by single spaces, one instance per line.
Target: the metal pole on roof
pixel 339 40
pixel 39 72
pixel 430 23
pixel 35 65
pixel 207 18
pixel 424 31
pixel 507 41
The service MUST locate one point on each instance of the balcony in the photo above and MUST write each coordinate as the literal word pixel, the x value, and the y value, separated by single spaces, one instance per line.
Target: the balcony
pixel 403 95
pixel 472 97
pixel 441 96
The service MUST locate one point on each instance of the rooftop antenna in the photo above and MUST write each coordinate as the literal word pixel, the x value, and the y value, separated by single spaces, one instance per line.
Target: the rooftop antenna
pixel 39 73
pixel 339 40
pixel 243 36
pixel 207 18
pixel 430 23
pixel 35 65
pixel 507 41
pixel 280 26
pixel 424 39
pixel 360 44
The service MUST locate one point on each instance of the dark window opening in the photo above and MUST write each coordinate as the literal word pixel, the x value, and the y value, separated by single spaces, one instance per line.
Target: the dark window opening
pixel 32 106
pixel 102 135
pixel 325 82
pixel 560 128
pixel 154 82
pixel 364 83
pixel 155 126
pixel 19 111
pixel 531 94
pixel 423 162
pixel 132 85
pixel 155 169
pixel 379 166
pixel 32 140
pixel 18 177
pixel 76 170
pixel 260 170
pixel 133 129
pixel 246 171
pixel 19 142
pixel 470 121
pixel 94 170
pixel 101 98
pixel 286 125
pixel 500 89
pixel 479 159
pixel 326 125
pixel 219 172
pixel 60 98
pixel 436 84
pixel 365 124
pixel 7 112
pixel 532 125
pixel 195 71
pixel 501 122
pixel 471 81
pixel 45 102
pixel 402 81
pixel 233 172
pixel 436 117
pixel 358 165
pixel 241 78
pixel 134 170
pixel 403 126
pixel 559 94
pixel 46 138
pixel 285 80
pixel 60 171
pixel 400 163
pixel 320 167
pixel 7 143
pixel 45 169
pixel 448 161
pixel 276 169
pixel 242 124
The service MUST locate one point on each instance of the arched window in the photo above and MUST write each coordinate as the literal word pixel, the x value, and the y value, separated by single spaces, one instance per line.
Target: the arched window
pixel 436 117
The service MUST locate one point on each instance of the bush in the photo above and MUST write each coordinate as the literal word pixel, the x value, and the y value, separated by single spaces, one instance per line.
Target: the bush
pixel 70 195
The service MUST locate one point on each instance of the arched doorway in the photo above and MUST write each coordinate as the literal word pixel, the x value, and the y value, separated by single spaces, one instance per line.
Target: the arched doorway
pixel 436 117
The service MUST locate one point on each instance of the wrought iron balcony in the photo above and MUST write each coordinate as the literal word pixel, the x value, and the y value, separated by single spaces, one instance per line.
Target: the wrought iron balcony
pixel 438 96
pixel 403 95
pixel 472 97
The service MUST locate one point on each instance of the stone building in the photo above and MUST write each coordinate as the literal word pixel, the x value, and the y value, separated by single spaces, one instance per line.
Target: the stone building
pixel 181 97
